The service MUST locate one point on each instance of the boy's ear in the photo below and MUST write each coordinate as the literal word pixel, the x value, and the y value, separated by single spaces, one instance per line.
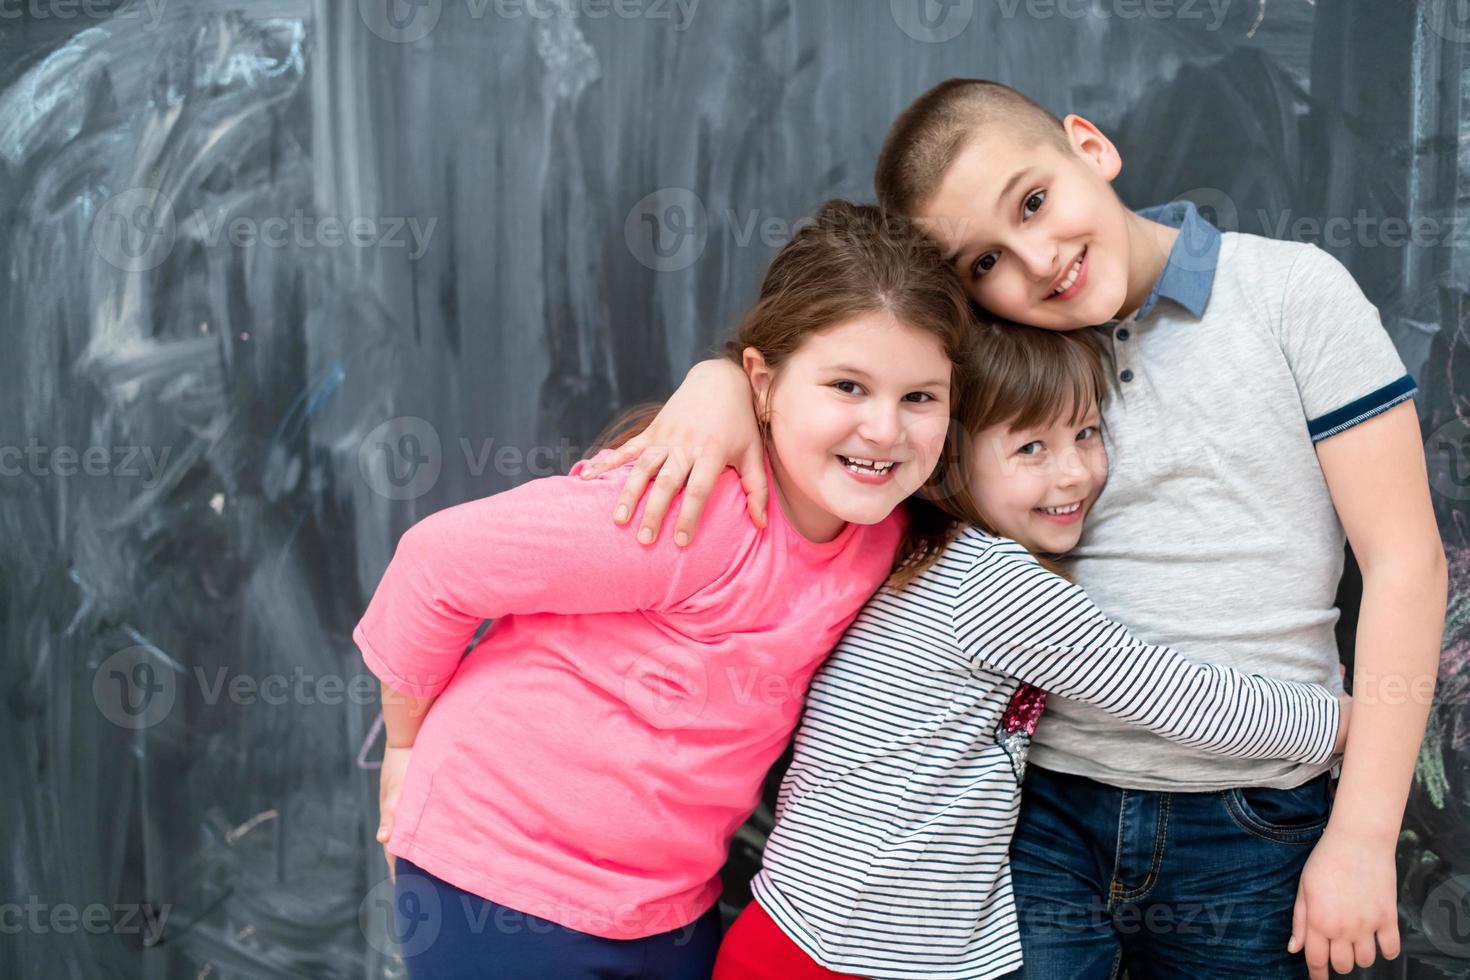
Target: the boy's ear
pixel 1095 149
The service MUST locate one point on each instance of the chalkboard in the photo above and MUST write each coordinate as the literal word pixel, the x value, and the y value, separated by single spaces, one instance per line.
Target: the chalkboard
pixel 281 278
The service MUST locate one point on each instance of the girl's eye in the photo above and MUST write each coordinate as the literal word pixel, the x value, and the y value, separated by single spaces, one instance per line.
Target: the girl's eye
pixel 1087 432
pixel 1039 197
pixel 922 394
pixel 838 385
pixel 1031 448
pixel 984 264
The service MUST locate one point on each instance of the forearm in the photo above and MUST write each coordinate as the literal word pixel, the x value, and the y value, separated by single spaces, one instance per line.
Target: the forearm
pixel 403 715
pixel 720 369
pixel 1222 710
pixel 1400 628
pixel 1059 641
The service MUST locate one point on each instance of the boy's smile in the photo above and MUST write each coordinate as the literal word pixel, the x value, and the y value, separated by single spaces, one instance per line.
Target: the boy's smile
pixel 1038 236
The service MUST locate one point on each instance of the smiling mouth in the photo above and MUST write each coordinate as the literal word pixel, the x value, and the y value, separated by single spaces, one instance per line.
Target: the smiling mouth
pixel 1070 278
pixel 1066 514
pixel 868 467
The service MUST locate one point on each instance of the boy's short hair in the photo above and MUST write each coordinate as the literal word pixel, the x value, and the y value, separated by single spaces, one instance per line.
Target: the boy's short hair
pixel 925 140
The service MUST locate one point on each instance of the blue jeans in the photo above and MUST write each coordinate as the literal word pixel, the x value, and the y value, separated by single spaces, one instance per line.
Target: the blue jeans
pixel 447 933
pixel 1166 885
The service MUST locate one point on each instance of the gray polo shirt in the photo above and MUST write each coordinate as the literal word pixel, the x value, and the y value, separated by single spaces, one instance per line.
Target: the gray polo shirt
pixel 1215 533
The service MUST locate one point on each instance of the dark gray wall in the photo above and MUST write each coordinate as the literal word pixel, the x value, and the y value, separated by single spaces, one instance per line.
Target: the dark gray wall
pixel 212 441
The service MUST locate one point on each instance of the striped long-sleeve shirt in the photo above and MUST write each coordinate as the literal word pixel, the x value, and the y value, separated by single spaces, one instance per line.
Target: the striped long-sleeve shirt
pixel 889 855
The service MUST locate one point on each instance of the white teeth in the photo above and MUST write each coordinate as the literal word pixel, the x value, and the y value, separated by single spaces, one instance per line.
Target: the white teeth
pixel 1071 277
pixel 1061 511
pixel 866 465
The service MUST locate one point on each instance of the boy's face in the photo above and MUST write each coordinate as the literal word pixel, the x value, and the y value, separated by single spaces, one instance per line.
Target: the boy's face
pixel 1037 235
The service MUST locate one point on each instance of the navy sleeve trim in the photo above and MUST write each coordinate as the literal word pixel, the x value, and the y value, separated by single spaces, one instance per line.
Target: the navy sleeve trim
pixel 1375 403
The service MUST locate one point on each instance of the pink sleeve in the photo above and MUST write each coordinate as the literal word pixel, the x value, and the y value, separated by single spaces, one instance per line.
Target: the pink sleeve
pixel 547 546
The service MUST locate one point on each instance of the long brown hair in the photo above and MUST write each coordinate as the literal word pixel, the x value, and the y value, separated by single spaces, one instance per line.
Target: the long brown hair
pixel 1018 376
pixel 850 260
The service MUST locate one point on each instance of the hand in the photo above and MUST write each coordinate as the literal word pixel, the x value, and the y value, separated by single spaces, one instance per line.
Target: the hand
pixel 708 424
pixel 1345 702
pixel 390 781
pixel 1347 896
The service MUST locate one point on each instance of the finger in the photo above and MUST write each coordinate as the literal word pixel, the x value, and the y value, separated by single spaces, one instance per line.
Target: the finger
pixel 390 863
pixel 1298 922
pixel 1316 947
pixel 1364 952
pixel 753 479
pixel 608 461
pixel 1388 941
pixel 670 481
pixel 702 479
pixel 647 465
pixel 1341 955
pixel 615 457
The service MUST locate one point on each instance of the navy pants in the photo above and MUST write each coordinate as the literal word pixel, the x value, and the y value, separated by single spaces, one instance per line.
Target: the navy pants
pixel 447 933
pixel 1166 885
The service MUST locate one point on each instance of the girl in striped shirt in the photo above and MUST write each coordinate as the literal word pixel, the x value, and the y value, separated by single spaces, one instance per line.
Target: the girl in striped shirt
pixel 889 853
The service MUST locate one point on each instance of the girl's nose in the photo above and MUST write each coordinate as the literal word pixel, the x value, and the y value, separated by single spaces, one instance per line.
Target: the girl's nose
pixel 881 426
pixel 1071 470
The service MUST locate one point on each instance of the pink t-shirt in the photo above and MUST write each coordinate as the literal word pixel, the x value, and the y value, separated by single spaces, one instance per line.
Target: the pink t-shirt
pixel 590 759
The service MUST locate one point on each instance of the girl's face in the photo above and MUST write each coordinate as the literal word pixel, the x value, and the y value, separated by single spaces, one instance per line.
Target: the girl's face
pixel 869 389
pixel 1036 485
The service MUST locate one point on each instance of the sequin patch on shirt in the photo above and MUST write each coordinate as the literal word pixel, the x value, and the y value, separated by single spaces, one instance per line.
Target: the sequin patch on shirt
pixel 1018 724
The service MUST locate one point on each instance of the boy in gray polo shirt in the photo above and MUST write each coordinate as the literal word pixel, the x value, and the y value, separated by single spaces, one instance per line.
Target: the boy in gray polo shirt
pixel 1257 413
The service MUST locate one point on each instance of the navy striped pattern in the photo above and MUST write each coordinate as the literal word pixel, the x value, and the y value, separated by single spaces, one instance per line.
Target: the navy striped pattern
pixel 889 856
pixel 1371 404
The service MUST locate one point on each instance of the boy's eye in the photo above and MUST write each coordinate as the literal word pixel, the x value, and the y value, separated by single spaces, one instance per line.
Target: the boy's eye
pixel 1038 197
pixel 1031 448
pixel 1087 432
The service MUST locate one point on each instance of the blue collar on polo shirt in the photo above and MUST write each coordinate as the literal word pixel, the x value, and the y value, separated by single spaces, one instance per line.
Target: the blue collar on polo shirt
pixel 1190 272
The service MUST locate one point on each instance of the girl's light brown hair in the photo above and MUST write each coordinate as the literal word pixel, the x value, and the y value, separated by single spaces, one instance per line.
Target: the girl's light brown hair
pixel 851 260
pixel 1019 377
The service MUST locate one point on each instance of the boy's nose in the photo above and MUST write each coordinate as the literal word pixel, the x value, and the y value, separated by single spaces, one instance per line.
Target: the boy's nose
pixel 1041 262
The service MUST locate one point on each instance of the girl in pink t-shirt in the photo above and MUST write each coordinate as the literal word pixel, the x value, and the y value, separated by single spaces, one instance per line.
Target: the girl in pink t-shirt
pixel 559 800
